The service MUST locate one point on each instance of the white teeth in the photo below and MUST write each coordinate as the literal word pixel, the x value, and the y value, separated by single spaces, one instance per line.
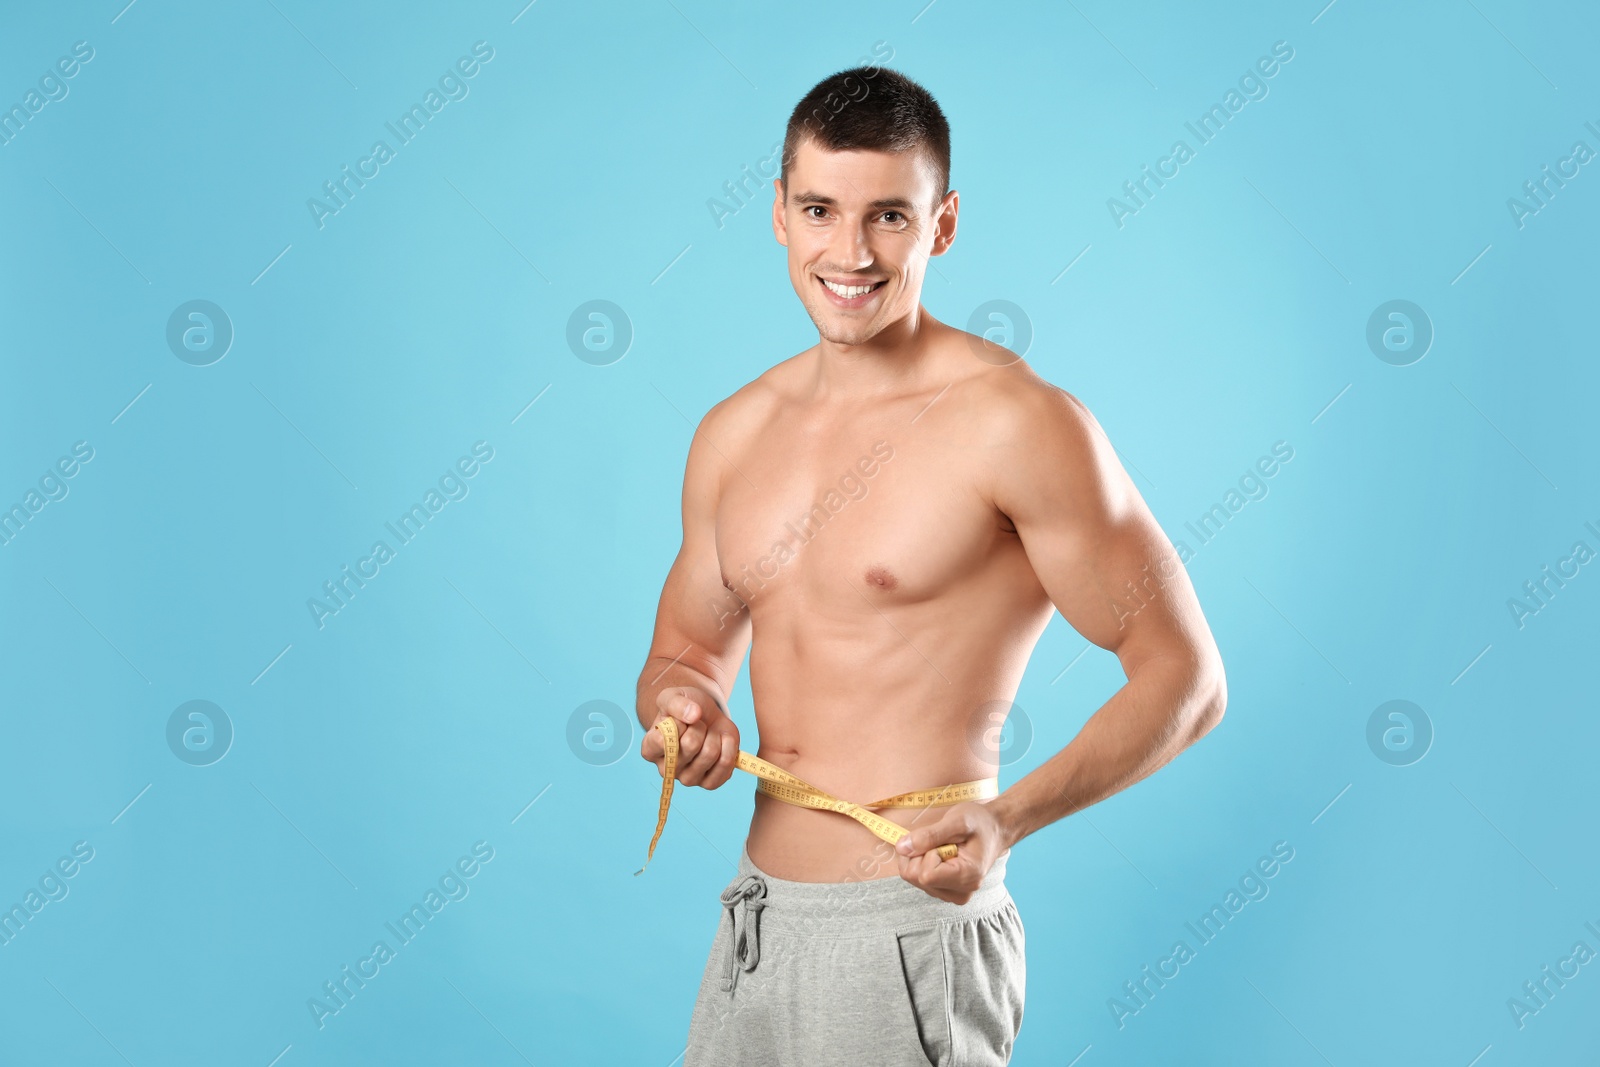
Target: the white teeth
pixel 848 291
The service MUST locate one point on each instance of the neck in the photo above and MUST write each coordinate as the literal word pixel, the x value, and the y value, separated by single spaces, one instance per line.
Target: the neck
pixel 897 358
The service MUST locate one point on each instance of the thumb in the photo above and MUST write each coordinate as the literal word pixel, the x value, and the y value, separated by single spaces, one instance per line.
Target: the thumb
pixel 943 831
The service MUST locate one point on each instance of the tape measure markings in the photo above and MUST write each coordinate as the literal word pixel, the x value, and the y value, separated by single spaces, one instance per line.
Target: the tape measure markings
pixel 781 785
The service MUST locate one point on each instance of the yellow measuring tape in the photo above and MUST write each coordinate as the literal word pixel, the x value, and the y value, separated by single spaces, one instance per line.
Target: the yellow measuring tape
pixel 779 784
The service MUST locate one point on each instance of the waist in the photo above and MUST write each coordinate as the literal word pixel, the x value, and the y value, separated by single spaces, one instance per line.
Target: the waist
pixel 866 908
pixel 782 784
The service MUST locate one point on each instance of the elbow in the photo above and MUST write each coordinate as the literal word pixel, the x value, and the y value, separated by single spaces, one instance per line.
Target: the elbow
pixel 1211 700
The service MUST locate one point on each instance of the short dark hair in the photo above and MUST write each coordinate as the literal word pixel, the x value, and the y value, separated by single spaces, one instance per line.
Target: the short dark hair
pixel 871 108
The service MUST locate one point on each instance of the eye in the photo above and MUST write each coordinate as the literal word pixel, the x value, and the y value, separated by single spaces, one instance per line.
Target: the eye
pixel 897 217
pixel 811 208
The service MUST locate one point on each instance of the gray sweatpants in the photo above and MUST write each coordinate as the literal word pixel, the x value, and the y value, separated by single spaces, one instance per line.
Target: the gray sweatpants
pixel 861 972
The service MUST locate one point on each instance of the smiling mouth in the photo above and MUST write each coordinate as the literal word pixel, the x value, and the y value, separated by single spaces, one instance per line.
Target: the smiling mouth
pixel 853 295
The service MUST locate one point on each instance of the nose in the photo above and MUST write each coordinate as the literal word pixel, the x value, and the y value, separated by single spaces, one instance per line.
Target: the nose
pixel 850 250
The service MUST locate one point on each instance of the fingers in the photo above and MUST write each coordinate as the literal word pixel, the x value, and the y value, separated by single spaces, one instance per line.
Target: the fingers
pixel 925 840
pixel 710 760
pixel 705 758
pixel 681 702
pixel 708 751
pixel 653 748
pixel 919 848
pixel 954 880
pixel 654 745
pixel 727 764
pixel 689 741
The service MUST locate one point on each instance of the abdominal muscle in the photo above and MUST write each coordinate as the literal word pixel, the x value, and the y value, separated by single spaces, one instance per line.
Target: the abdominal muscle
pixel 888 722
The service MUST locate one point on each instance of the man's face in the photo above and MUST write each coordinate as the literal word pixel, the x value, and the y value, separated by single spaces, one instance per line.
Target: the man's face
pixel 864 221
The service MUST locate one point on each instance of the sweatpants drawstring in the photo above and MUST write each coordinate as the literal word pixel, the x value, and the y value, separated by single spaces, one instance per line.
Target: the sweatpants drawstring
pixel 748 896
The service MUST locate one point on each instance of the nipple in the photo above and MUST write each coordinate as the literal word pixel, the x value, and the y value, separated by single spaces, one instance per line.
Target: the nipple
pixel 880 576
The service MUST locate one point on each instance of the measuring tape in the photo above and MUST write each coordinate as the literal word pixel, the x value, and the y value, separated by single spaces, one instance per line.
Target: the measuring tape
pixel 779 784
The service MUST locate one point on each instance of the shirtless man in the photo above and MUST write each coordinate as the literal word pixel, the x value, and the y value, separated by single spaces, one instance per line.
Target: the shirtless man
pixel 886 522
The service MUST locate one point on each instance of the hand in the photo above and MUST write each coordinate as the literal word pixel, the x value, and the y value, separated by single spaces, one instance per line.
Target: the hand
pixel 708 741
pixel 971 826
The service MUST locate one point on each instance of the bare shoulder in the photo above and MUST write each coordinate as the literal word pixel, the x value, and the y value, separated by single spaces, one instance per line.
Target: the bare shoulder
pixel 1019 410
pixel 744 412
pixel 1042 443
pixel 735 424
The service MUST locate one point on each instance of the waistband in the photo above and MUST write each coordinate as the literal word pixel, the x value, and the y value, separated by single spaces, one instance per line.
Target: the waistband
pixel 856 908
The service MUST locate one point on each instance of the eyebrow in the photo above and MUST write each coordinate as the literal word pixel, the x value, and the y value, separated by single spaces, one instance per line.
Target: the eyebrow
pixel 897 202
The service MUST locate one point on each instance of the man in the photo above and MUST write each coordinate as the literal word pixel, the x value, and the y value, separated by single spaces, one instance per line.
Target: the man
pixel 886 521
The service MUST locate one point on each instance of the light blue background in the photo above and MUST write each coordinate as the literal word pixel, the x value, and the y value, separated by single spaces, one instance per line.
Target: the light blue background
pixel 1228 314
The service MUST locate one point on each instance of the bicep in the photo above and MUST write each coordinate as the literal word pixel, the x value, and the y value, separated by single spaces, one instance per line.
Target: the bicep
pixel 699 620
pixel 1097 550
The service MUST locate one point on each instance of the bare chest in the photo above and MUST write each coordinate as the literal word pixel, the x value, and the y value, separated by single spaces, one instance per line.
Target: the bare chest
pixel 832 517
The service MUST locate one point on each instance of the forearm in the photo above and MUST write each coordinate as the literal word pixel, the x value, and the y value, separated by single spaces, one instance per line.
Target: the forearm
pixel 664 672
pixel 1165 706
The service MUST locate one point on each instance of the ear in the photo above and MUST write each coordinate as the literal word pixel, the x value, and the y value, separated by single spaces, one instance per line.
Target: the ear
pixel 944 223
pixel 780 229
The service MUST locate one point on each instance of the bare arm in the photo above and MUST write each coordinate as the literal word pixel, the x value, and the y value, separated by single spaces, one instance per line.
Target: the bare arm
pixel 701 634
pixel 1115 577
